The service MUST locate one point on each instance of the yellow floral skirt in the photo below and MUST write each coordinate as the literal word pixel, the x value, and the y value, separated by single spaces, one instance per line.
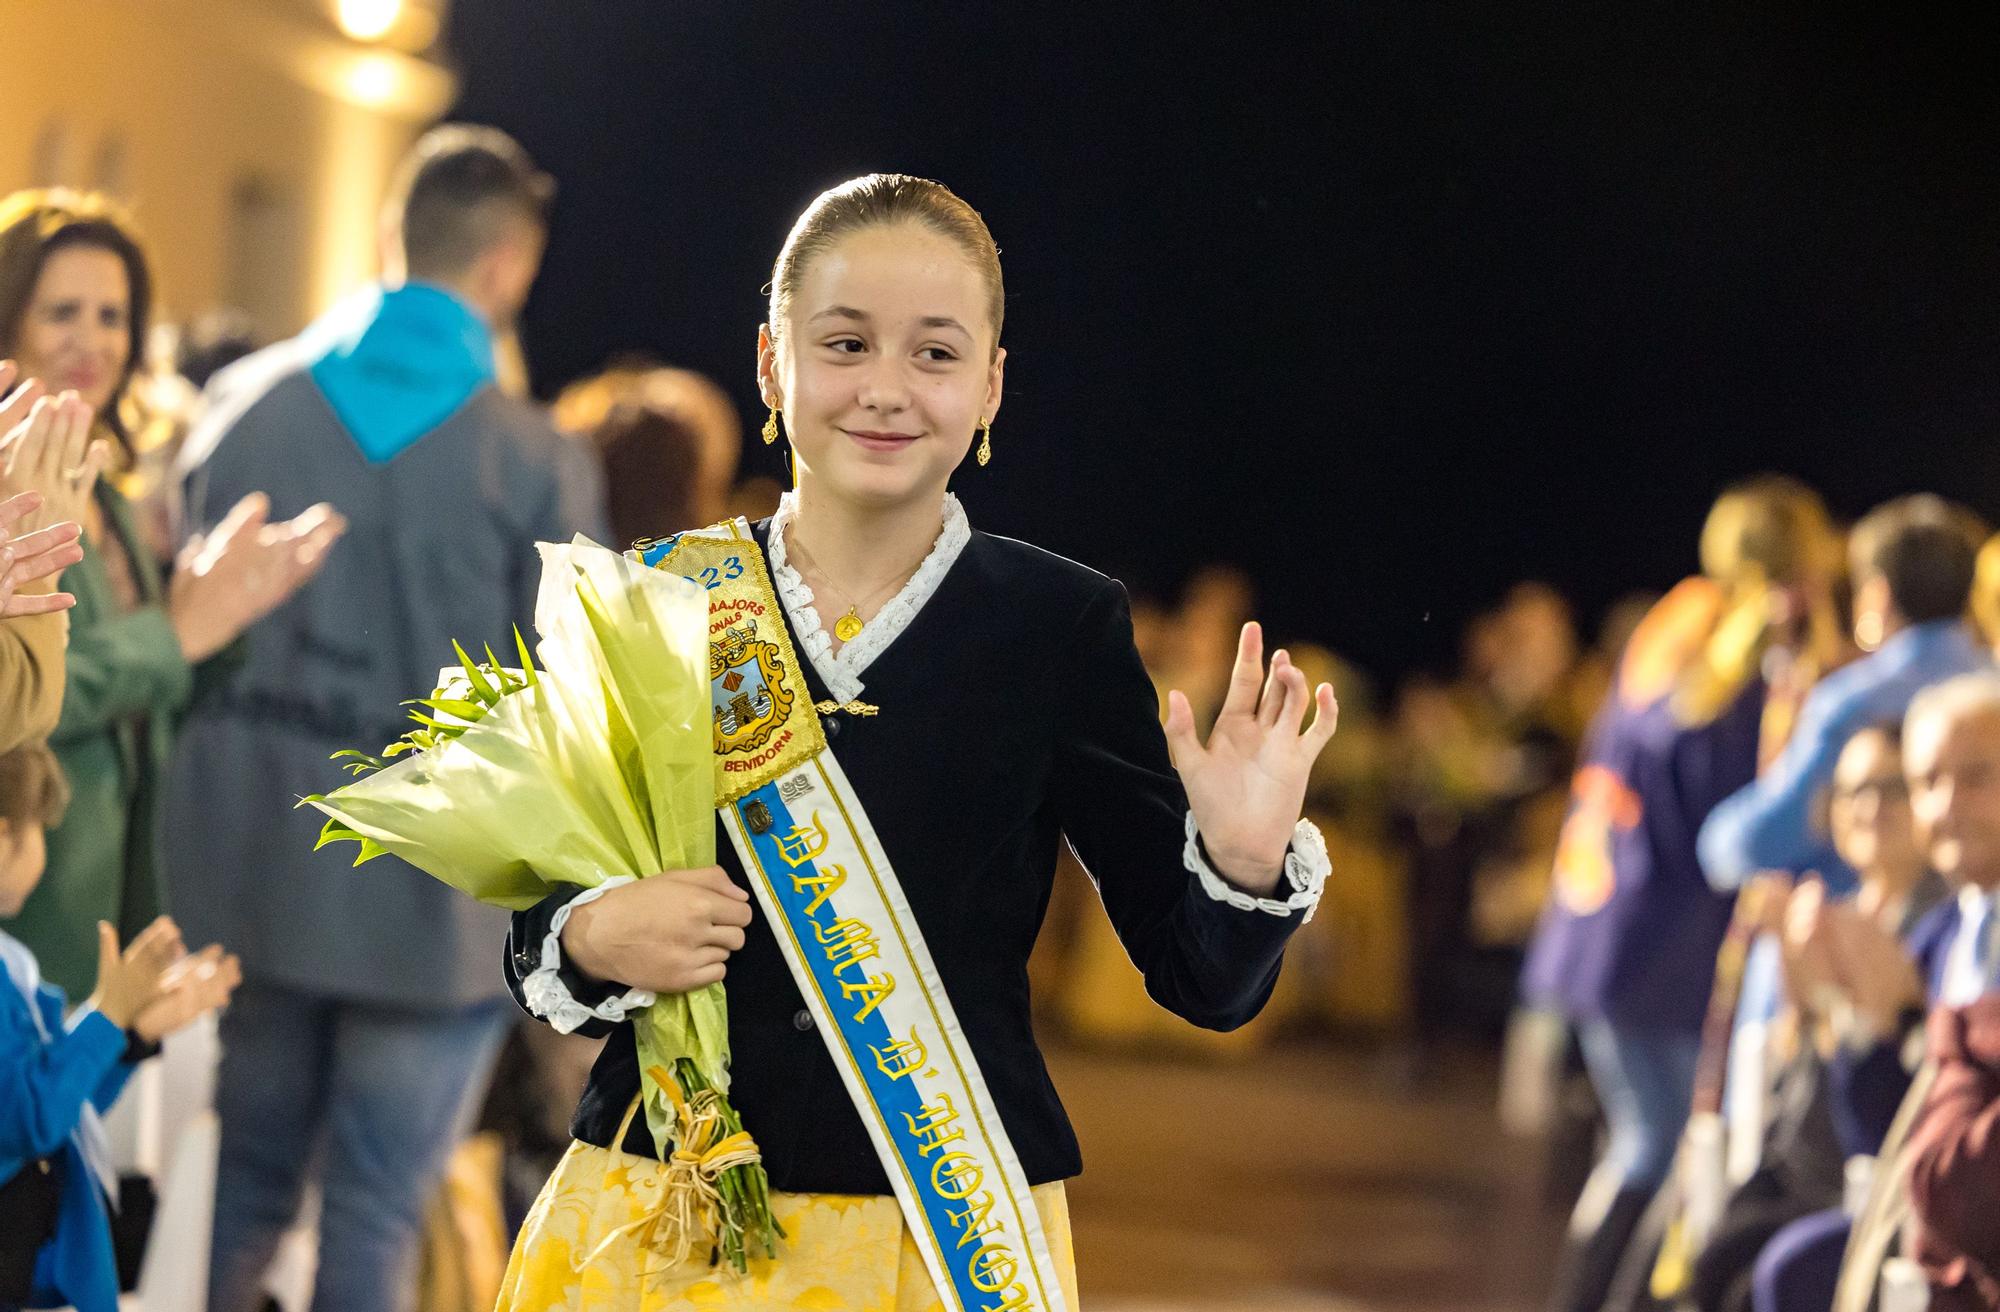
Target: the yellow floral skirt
pixel 842 1252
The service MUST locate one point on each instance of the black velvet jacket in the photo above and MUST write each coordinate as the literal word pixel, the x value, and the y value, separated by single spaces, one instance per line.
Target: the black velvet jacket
pixel 1014 710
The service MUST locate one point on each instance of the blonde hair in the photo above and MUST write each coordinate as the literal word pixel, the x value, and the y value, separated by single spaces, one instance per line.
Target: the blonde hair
pixel 881 200
pixel 1986 591
pixel 1769 529
pixel 1762 535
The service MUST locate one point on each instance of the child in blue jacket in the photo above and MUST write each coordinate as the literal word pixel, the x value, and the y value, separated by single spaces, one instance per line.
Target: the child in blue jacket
pixel 59 1072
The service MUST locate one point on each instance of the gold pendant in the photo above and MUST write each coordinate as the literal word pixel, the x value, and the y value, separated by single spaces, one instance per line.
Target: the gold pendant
pixel 848 627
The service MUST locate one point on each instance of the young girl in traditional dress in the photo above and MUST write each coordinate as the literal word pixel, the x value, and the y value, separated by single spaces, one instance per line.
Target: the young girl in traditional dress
pixel 985 701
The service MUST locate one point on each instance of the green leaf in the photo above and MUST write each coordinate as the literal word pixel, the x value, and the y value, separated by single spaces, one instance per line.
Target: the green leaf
pixel 458 706
pixel 527 660
pixel 486 691
pixel 335 831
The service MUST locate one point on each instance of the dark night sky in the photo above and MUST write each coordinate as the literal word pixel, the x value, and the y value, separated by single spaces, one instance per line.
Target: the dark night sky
pixel 1393 304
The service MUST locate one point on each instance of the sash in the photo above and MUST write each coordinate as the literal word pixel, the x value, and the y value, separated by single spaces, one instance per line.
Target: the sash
pixel 840 917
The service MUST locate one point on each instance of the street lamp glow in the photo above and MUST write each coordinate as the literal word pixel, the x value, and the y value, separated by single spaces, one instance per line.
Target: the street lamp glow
pixel 369 20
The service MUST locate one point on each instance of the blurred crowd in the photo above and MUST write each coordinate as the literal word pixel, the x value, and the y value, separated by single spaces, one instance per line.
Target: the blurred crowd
pixel 1738 847
pixel 1725 879
pixel 232 1073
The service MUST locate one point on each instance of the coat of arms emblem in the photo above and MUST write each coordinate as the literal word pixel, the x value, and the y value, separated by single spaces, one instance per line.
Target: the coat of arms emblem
pixel 746 688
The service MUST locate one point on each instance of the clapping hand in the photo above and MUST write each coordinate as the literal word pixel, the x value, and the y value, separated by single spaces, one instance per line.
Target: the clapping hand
pixel 31 557
pixel 189 989
pixel 228 579
pixel 128 981
pixel 1806 947
pixel 1764 901
pixel 1247 783
pixel 153 987
pixel 47 467
pixel 1874 968
pixel 46 447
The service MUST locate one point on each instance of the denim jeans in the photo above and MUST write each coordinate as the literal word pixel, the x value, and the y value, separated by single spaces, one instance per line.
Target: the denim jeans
pixel 371 1098
pixel 1645 1080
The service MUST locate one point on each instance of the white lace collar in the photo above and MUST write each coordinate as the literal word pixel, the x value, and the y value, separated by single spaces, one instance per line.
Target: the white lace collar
pixel 841 671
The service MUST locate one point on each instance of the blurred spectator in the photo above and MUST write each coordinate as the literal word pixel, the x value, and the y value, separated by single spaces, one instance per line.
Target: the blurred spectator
pixel 754 499
pixel 75 301
pixel 1448 772
pixel 1954 766
pixel 371 1008
pixel 1986 593
pixel 1215 605
pixel 212 343
pixel 1955 1161
pixel 1535 717
pixel 1934 1173
pixel 1591 683
pixel 60 1070
pixel 1351 963
pixel 48 469
pixel 1627 947
pixel 669 439
pixel 1803 1165
pixel 1912 566
pixel 1480 769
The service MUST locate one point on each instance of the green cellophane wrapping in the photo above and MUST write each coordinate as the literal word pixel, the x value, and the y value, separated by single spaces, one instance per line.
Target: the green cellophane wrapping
pixel 601 766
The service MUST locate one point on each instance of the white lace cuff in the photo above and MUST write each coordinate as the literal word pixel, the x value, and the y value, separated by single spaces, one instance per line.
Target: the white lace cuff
pixel 1306 868
pixel 546 994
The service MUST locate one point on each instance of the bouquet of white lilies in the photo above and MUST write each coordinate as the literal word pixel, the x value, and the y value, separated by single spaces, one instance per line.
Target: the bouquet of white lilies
pixel 518 781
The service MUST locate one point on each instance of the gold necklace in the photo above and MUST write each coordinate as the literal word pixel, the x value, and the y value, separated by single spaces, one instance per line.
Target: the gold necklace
pixel 849 626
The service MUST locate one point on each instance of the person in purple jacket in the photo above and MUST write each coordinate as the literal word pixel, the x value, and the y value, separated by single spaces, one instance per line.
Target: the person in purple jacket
pixel 1626 949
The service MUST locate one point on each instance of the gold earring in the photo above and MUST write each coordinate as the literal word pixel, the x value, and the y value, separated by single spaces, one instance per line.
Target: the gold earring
pixel 985 441
pixel 770 429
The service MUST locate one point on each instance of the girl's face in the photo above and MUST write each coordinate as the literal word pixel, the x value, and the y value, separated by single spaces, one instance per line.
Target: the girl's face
pixel 1870 811
pixel 885 366
pixel 76 333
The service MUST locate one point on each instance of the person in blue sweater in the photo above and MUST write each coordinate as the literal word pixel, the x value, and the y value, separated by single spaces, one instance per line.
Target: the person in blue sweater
pixel 1911 562
pixel 61 1069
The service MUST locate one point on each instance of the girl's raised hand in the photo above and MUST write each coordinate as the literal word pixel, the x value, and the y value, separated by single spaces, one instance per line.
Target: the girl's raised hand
pixel 1247 783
